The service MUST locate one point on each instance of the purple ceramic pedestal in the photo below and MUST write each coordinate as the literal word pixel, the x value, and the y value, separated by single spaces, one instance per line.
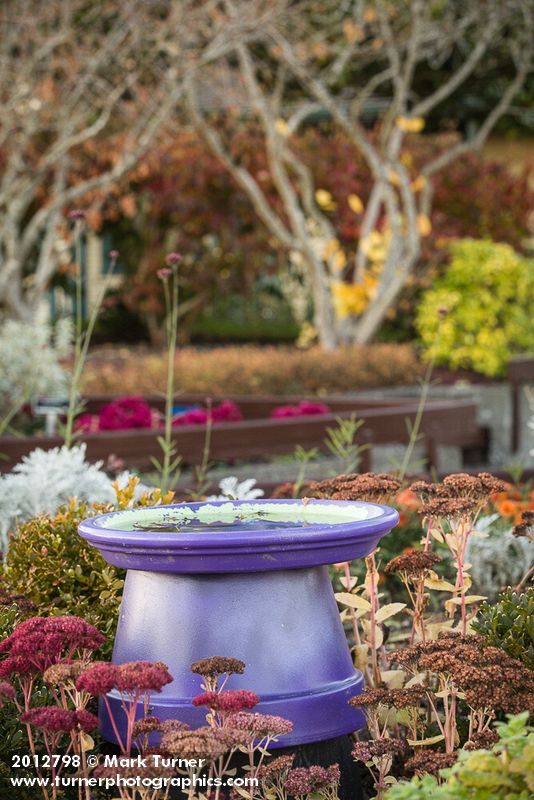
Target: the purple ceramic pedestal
pixel 261 595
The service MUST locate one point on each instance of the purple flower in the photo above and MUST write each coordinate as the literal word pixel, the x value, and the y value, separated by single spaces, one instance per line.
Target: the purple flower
pixel 114 254
pixel 164 273
pixel 77 213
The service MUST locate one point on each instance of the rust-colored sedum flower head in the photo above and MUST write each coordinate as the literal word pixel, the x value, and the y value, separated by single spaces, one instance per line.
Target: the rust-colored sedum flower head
pixel 275 768
pixel 305 780
pixel 489 678
pixel 391 698
pixel 260 726
pixel 369 487
pixel 412 563
pixel 147 725
pixel 65 672
pixel 365 751
pixel 430 761
pixel 203 742
pixel 218 665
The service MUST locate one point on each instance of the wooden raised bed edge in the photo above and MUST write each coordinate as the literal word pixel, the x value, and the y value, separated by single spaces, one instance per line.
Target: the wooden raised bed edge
pixel 445 422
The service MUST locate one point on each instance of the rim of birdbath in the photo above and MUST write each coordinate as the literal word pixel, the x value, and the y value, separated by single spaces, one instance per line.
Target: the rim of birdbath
pixel 230 535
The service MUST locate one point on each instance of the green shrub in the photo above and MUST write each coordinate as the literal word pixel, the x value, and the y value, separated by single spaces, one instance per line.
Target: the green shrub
pixel 509 624
pixel 488 291
pixel 51 565
pixel 506 772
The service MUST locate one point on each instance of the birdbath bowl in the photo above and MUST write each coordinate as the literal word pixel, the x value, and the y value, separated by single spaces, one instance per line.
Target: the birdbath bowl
pixel 246 579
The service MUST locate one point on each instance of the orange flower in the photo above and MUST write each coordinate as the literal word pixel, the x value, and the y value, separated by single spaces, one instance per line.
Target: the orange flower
pixel 409 500
pixel 507 508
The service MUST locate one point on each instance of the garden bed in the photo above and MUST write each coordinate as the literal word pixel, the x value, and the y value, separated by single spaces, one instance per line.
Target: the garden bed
pixel 445 422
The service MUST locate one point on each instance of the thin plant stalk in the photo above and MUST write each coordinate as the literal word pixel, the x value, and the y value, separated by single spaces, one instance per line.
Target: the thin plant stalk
pixel 82 339
pixel 168 465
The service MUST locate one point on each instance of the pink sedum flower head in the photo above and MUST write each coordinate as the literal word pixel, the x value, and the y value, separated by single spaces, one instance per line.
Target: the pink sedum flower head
pixel 142 675
pixel 100 678
pixel 52 719
pixel 232 700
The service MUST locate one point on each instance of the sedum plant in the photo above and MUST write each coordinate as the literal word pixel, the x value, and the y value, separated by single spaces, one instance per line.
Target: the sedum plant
pixel 488 291
pixel 509 624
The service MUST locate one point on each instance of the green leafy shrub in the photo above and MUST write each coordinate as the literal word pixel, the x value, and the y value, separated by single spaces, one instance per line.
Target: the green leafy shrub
pixel 51 565
pixel 509 624
pixel 506 772
pixel 488 291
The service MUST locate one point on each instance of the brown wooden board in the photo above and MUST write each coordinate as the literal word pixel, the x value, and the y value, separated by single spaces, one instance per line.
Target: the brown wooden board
pixel 444 422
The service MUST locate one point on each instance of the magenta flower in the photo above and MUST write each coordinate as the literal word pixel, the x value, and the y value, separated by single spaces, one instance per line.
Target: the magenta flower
pixel 7 692
pixel 39 642
pixel 125 413
pixel 52 719
pixel 302 409
pixel 164 273
pixel 85 720
pixel 100 678
pixel 227 411
pixel 114 254
pixel 232 700
pixel 77 213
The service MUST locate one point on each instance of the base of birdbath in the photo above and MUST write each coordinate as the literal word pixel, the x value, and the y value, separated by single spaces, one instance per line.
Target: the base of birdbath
pixel 246 580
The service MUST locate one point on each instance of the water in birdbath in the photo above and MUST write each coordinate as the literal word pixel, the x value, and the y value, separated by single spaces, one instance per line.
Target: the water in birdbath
pixel 238 517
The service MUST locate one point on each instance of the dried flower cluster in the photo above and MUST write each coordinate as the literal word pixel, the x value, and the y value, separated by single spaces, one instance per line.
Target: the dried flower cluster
pixel 218 665
pixel 486 675
pixel 370 487
pixel 429 761
pixel 260 726
pixel 412 562
pixel 302 781
pixel 459 495
pixel 391 698
pixel 365 751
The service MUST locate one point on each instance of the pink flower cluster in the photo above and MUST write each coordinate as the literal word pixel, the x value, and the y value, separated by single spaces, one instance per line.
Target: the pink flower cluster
pixel 303 409
pixel 39 642
pixel 227 411
pixel 121 414
pixel 127 413
pixel 55 719
pixel 232 700
pixel 133 676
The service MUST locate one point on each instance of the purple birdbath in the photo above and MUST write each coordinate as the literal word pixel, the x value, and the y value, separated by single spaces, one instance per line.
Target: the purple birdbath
pixel 245 579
